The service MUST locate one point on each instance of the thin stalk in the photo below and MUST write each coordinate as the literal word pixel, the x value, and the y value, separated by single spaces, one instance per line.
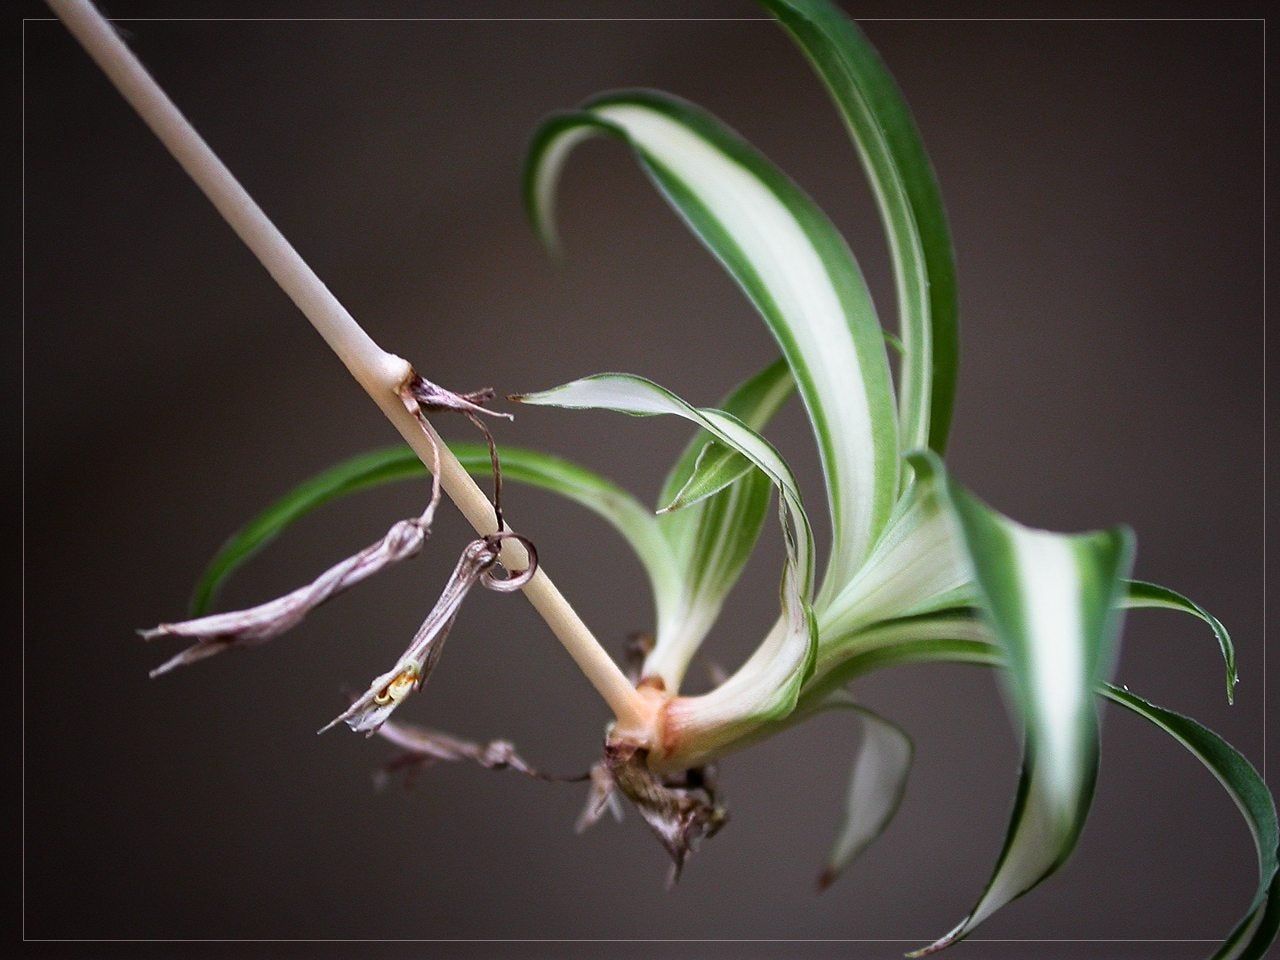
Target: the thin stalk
pixel 381 374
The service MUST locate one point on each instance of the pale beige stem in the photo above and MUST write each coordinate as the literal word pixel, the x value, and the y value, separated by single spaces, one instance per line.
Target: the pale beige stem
pixel 380 373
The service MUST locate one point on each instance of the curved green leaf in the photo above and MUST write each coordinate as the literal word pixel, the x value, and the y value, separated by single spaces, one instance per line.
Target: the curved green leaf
pixel 1052 603
pixel 715 468
pixel 906 190
pixel 767 685
pixel 1256 931
pixel 1143 595
pixel 963 636
pixel 713 538
pixel 639 397
pixel 377 467
pixel 754 402
pixel 793 264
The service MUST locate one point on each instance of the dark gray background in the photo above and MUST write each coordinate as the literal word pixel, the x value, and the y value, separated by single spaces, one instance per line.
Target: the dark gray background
pixel 1104 181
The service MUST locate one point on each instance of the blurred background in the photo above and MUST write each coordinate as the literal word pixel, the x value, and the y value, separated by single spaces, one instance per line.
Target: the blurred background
pixel 1104 182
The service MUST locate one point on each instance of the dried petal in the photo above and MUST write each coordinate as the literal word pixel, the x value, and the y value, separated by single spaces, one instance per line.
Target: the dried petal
pixel 421 747
pixel 434 398
pixel 388 691
pixel 256 625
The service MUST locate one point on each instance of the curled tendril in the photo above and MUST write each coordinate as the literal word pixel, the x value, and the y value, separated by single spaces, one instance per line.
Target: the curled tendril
pixel 513 581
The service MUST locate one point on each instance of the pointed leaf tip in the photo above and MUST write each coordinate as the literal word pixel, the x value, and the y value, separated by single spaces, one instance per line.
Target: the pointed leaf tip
pixel 1143 595
pixel 1051 600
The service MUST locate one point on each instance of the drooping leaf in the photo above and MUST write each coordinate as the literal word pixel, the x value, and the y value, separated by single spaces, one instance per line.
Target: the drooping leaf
pixel 1256 931
pixel 1052 603
pixel 638 397
pixel 767 685
pixel 636 524
pixel 963 636
pixel 902 179
pixel 876 786
pixel 1143 595
pixel 793 264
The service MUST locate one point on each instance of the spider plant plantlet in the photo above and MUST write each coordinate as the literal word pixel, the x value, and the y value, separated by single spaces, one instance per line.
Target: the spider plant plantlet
pixel 919 569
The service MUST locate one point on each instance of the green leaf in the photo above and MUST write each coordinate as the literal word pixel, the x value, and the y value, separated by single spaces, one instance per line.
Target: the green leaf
pixel 876 786
pixel 713 538
pixel 711 558
pixel 792 263
pixel 916 565
pixel 767 685
pixel 906 190
pixel 1052 602
pixel 1257 930
pixel 715 468
pixel 390 464
pixel 638 397
pixel 962 636
pixel 1143 595
pixel 707 466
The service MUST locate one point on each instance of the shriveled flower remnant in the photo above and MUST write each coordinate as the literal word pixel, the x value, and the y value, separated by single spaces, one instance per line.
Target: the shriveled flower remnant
pixel 244 628
pixel 919 569
pixel 388 691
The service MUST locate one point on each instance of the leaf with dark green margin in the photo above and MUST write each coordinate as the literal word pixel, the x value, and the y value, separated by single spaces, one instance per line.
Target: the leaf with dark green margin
pixel 963 636
pixel 1151 596
pixel 790 261
pixel 1052 601
pixel 902 179
pixel 754 402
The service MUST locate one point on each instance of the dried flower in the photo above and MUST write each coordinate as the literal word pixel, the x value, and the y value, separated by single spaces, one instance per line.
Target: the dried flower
pixel 602 796
pixel 421 748
pixel 256 625
pixel 430 397
pixel 389 690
